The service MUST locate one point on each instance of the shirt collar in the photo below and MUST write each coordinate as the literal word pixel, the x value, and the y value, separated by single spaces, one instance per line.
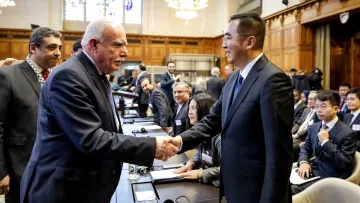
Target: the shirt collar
pixel 92 61
pixel 244 73
pixel 141 73
pixel 38 68
pixel 170 74
pixel 297 104
pixel 331 124
pixel 356 113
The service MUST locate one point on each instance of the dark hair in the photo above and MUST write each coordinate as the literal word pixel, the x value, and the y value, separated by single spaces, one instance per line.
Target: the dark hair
pixel 77 45
pixel 329 95
pixel 306 93
pixel 142 67
pixel 251 24
pixel 355 91
pixel 297 91
pixel 145 78
pixel 293 70
pixel 204 103
pixel 346 85
pixel 167 64
pixel 111 78
pixel 38 35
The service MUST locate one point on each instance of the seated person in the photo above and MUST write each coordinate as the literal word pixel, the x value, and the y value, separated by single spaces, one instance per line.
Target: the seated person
pixel 299 106
pixel 208 153
pixel 304 96
pixel 330 141
pixel 352 119
pixel 300 129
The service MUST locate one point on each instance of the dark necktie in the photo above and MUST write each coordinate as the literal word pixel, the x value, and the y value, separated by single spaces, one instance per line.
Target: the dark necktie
pixel 342 104
pixel 237 87
pixel 109 94
pixel 45 74
pixel 350 119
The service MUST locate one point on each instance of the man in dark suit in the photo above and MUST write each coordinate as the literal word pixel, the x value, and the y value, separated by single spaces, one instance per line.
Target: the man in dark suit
pixel 254 117
pixel 215 84
pixel 292 76
pixel 19 92
pixel 352 119
pixel 180 117
pixel 299 106
pixel 330 141
pixel 167 80
pixel 158 103
pixel 122 81
pixel 79 149
pixel 343 89
pixel 143 99
pixel 77 48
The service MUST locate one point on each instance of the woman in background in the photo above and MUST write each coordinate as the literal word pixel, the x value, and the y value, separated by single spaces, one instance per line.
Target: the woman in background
pixel 205 165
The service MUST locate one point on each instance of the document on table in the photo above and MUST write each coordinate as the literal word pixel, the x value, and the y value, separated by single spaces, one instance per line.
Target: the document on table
pixel 164 175
pixel 297 180
pixel 145 195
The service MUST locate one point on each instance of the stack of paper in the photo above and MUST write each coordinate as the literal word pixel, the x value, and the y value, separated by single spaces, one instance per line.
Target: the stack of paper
pixel 164 175
pixel 297 180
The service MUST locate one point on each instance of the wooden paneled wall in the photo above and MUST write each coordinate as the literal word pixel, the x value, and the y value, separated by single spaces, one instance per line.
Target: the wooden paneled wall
pixel 289 40
pixel 149 49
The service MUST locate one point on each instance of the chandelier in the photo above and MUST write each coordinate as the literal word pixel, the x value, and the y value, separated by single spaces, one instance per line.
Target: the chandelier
pixel 6 3
pixel 186 9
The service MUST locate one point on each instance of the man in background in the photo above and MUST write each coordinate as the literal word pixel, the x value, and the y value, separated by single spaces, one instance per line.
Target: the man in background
pixel 167 80
pixel 352 119
pixel 19 92
pixel 299 106
pixel 181 92
pixel 229 69
pixel 343 90
pixel 77 48
pixel 215 84
pixel 143 99
pixel 159 104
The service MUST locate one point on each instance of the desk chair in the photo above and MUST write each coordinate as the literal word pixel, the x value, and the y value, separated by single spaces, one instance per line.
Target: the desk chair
pixel 329 190
pixel 355 176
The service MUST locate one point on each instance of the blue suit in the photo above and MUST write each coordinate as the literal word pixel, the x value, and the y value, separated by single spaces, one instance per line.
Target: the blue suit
pixel 256 145
pixel 166 86
pixel 78 153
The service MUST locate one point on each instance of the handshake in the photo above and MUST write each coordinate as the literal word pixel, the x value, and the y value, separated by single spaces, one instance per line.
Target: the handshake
pixel 167 147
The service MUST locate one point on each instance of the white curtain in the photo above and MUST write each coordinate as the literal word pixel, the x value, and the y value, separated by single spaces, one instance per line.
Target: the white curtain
pixel 322 53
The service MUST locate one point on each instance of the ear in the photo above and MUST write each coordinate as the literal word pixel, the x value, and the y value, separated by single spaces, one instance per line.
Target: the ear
pixel 93 43
pixel 251 41
pixel 32 48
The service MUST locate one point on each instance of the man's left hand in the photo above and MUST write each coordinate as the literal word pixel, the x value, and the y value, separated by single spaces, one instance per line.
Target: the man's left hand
pixel 323 135
pixel 165 148
pixel 191 175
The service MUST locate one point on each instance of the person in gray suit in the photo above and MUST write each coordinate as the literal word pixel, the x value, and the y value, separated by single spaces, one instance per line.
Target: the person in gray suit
pixel 181 92
pixel 215 84
pixel 158 103
pixel 19 92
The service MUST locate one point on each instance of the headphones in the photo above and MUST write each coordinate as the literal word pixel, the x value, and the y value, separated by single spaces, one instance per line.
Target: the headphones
pixel 172 201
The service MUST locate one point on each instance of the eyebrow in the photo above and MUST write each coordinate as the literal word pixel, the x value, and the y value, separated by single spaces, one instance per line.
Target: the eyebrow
pixel 227 34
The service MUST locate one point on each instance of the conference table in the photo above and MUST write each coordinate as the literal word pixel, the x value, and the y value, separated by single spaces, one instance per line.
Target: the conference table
pixel 184 191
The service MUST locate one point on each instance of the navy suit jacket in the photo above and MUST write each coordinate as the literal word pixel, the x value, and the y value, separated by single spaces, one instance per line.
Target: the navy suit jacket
pixel 160 108
pixel 256 151
pixel 357 122
pixel 336 157
pixel 78 152
pixel 166 86
pixel 214 86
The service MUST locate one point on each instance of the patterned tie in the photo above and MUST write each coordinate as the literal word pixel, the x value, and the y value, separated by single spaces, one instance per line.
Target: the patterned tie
pixel 325 127
pixel 45 73
pixel 350 119
pixel 237 87
pixel 110 97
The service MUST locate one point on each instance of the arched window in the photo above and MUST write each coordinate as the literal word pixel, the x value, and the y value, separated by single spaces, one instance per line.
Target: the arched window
pixel 126 11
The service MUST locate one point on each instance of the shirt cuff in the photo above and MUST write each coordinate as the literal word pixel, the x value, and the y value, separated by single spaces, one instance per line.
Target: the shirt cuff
pixel 303 162
pixel 323 142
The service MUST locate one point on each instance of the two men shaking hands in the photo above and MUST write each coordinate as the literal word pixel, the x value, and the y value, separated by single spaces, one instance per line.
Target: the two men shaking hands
pixel 167 147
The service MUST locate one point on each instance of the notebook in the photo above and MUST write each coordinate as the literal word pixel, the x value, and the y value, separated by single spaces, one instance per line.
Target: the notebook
pixel 165 176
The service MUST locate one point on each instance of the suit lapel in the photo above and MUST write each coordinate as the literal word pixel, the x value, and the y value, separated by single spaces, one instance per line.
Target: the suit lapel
pixel 29 74
pixel 246 86
pixel 356 121
pixel 227 95
pixel 90 67
pixel 335 130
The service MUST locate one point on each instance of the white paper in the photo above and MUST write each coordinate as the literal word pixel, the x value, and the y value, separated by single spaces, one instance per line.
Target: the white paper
pixel 297 180
pixel 164 174
pixel 149 127
pixel 356 127
pixel 145 195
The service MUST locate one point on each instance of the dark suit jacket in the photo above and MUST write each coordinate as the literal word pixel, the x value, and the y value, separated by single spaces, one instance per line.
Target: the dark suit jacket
pixel 295 129
pixel 256 151
pixel 143 97
pixel 357 122
pixel 166 86
pixel 298 112
pixel 336 157
pixel 183 117
pixel 160 108
pixel 19 97
pixel 214 86
pixel 78 153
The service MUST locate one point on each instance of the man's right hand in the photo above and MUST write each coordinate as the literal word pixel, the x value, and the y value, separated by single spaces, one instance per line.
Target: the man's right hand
pixel 304 170
pixel 188 167
pixel 165 148
pixel 178 77
pixel 5 185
